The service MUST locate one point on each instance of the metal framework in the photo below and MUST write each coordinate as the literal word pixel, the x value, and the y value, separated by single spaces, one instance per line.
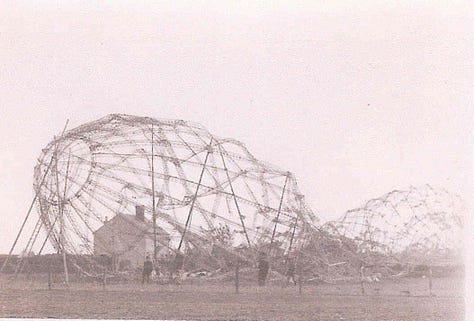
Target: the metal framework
pixel 188 180
pixel 422 225
pixel 192 183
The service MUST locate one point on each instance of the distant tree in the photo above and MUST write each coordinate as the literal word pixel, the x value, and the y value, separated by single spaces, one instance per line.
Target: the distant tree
pixel 222 235
pixel 222 238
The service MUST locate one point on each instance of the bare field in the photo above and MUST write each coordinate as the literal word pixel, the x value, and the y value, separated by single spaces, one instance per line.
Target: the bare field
pixel 405 299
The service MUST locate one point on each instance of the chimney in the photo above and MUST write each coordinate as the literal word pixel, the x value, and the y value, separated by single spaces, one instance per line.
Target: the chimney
pixel 140 212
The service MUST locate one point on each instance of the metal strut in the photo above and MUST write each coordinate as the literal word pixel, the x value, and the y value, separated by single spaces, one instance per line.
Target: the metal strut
pixel 279 209
pixel 61 203
pixel 292 235
pixel 32 203
pixel 20 265
pixel 47 235
pixel 235 199
pixel 66 273
pixel 195 196
pixel 153 193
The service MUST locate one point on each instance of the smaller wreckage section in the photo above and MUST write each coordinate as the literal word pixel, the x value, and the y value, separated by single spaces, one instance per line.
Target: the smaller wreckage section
pixel 403 232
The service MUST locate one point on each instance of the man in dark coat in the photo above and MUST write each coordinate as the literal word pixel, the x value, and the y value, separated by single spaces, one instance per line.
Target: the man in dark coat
pixel 290 272
pixel 147 269
pixel 177 268
pixel 263 267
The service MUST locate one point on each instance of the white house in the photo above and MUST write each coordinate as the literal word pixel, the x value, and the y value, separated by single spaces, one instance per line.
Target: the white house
pixel 128 239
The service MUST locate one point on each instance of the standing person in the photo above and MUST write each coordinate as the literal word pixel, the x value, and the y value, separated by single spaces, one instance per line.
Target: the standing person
pixel 147 269
pixel 156 268
pixel 263 267
pixel 290 272
pixel 177 268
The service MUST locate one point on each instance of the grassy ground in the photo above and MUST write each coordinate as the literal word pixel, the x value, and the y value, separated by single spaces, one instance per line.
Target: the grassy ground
pixel 406 300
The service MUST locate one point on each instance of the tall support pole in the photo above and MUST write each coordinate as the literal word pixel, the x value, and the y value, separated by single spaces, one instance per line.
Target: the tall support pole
pixel 279 209
pixel 298 261
pixel 51 227
pixel 234 197
pixel 23 261
pixel 61 201
pixel 32 204
pixel 64 202
pixel 26 217
pixel 153 193
pixel 188 220
pixel 293 235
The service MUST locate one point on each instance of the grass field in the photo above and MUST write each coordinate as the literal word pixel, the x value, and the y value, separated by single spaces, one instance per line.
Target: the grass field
pixel 405 299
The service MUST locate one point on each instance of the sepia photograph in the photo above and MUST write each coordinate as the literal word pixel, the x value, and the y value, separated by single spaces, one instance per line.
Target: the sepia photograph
pixel 236 160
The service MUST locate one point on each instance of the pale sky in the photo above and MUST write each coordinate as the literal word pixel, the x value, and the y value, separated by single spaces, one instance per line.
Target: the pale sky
pixel 356 98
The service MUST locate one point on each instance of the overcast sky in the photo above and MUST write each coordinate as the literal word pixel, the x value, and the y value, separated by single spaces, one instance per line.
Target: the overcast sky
pixel 356 98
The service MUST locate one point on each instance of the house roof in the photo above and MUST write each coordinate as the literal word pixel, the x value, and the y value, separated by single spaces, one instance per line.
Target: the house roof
pixel 145 226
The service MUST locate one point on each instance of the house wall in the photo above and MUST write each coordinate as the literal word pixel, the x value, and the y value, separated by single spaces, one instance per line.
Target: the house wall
pixel 126 243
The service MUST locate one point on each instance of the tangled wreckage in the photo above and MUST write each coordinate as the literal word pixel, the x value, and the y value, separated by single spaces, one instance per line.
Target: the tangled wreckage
pixel 113 191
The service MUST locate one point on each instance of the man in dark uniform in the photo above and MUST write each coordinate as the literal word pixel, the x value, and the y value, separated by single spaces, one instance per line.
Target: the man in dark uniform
pixel 263 267
pixel 147 269
pixel 177 268
pixel 290 272
pixel 156 267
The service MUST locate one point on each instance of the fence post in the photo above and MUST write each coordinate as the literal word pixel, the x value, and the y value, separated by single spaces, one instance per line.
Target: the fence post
pixel 300 279
pixel 104 279
pixel 430 280
pixel 50 273
pixel 49 279
pixel 362 287
pixel 237 267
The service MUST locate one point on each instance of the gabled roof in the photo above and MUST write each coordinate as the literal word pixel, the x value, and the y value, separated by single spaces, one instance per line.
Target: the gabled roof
pixel 145 226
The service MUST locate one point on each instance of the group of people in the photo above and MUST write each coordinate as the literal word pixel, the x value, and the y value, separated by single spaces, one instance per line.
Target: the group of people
pixel 149 267
pixel 263 266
